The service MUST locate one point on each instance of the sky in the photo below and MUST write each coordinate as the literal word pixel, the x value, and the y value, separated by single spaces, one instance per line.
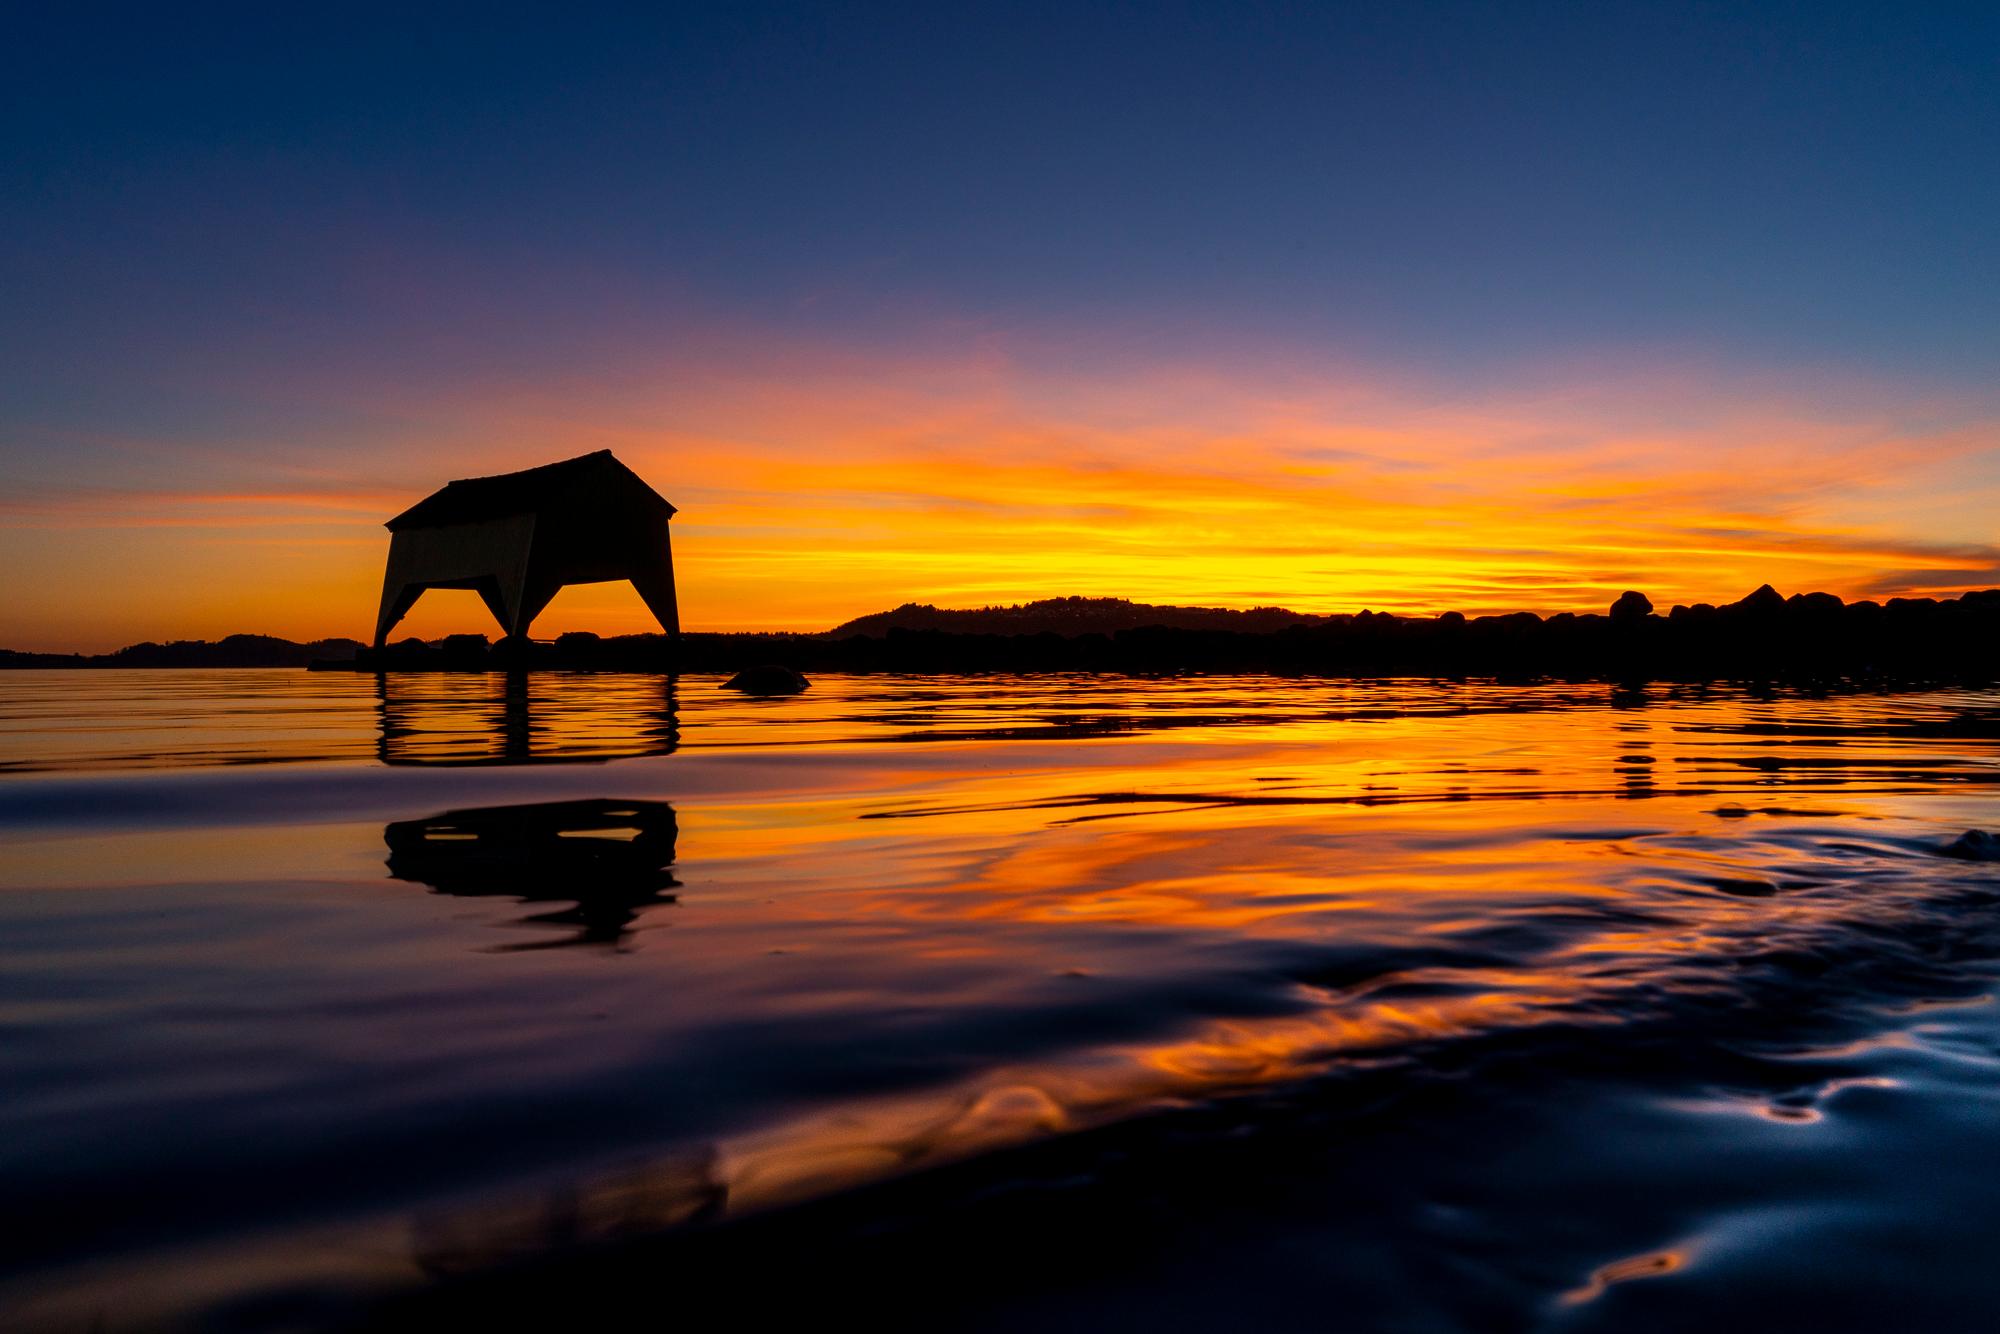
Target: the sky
pixel 1409 306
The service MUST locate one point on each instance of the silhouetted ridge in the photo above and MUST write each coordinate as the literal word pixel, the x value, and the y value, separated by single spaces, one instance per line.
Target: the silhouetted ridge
pixel 1762 636
pixel 1765 636
pixel 1074 616
pixel 233 651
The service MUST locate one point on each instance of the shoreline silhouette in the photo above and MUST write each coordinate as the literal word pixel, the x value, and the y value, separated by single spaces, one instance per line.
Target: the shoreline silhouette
pixel 1762 634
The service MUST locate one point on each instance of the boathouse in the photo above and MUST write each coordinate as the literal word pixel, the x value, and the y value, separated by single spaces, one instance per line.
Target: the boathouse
pixel 517 538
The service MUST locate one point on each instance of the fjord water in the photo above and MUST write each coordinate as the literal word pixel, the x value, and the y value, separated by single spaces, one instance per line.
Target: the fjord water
pixel 1085 1002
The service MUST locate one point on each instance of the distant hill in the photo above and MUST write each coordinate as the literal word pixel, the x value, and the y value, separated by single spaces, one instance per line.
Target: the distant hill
pixel 1075 616
pixel 234 651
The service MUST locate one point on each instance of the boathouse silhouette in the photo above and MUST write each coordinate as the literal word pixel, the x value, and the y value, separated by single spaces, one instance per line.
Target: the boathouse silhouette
pixel 517 538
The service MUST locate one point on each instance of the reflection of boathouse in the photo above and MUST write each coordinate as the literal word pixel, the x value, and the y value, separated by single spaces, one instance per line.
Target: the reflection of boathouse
pixel 452 718
pixel 517 538
pixel 609 859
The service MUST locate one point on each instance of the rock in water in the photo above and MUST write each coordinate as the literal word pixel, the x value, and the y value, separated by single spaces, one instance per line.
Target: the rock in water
pixel 1974 845
pixel 767 681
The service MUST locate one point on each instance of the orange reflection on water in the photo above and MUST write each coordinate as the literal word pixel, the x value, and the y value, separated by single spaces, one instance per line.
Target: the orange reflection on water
pixel 915 921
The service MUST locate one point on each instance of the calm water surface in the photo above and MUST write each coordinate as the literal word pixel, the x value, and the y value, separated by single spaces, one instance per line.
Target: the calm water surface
pixel 978 1003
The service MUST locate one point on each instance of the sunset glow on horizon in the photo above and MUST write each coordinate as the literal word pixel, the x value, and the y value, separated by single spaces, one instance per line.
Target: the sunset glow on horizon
pixel 823 493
